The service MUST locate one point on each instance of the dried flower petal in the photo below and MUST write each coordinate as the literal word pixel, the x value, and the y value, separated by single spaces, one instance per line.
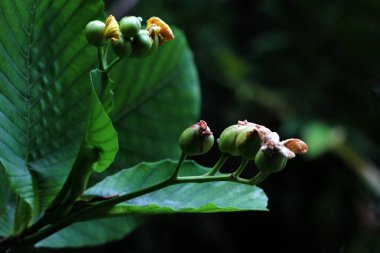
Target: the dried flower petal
pixel 265 133
pixel 204 130
pixel 277 147
pixel 112 29
pixel 158 27
pixel 295 145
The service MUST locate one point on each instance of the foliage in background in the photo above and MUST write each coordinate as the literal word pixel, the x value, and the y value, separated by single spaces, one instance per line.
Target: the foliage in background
pixel 57 131
pixel 290 64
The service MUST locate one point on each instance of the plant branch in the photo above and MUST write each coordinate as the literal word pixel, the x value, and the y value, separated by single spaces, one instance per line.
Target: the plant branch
pixel 241 168
pixel 100 58
pixel 222 160
pixel 112 64
pixel 178 167
pixel 260 177
pixel 107 204
pixel 103 205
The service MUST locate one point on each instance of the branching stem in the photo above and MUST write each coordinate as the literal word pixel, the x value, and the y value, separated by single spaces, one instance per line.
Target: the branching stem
pixel 239 170
pixel 103 206
pixel 222 160
pixel 112 64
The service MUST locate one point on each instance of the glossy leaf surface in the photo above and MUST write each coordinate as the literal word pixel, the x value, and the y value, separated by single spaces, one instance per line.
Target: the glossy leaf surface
pixel 189 197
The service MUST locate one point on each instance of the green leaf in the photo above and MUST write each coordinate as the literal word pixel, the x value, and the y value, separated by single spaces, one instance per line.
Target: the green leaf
pixel 90 233
pixel 43 93
pixel 148 121
pixel 7 208
pixel 100 132
pixel 188 198
pixel 22 218
pixel 156 98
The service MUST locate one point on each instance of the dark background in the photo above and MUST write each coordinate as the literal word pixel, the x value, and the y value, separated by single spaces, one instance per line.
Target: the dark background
pixel 308 69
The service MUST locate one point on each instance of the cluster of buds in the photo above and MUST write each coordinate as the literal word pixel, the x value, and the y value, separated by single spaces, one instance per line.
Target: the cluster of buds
pixel 248 140
pixel 127 37
pixel 256 142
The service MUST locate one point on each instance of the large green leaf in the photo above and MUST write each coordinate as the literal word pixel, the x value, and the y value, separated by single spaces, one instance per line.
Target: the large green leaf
pixel 155 99
pixel 100 132
pixel 190 197
pixel 44 96
pixel 143 108
pixel 89 233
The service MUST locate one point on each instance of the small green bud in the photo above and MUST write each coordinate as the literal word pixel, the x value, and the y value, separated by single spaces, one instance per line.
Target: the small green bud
pixel 141 44
pixel 196 139
pixel 248 142
pixel 122 47
pixel 130 26
pixel 95 32
pixel 270 160
pixel 227 139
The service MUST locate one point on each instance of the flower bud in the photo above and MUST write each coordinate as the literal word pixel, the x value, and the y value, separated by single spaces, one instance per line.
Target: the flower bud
pixel 248 142
pixel 122 47
pixel 130 26
pixel 95 32
pixel 141 44
pixel 196 139
pixel 270 160
pixel 227 139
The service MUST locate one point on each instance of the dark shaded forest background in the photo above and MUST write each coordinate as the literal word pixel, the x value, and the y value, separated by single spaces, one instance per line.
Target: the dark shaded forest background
pixel 309 69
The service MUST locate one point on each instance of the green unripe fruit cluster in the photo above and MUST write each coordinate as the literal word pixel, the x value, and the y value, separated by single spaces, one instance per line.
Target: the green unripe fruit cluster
pixel 130 26
pixel 227 139
pixel 270 161
pixel 248 143
pixel 196 139
pixel 95 32
pixel 123 47
pixel 141 44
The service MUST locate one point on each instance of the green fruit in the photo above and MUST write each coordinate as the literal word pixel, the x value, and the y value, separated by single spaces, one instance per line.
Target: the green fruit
pixel 196 139
pixel 270 160
pixel 248 143
pixel 123 47
pixel 130 26
pixel 227 139
pixel 95 32
pixel 141 44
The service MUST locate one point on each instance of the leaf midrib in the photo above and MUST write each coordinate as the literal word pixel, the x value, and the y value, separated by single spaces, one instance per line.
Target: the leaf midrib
pixel 29 35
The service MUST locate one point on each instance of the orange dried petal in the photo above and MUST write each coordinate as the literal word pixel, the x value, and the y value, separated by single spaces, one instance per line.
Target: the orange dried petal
pixel 165 32
pixel 296 145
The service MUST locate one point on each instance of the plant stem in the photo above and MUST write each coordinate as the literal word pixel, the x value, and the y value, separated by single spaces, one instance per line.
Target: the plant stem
pixel 178 167
pixel 241 168
pixel 109 203
pixel 205 179
pixel 223 158
pixel 260 177
pixel 104 205
pixel 100 58
pixel 112 64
